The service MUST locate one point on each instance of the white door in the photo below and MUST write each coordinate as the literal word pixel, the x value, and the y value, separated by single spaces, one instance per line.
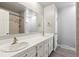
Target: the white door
pixel 4 22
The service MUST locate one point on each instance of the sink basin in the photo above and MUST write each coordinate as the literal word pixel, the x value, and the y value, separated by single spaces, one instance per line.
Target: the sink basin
pixel 14 47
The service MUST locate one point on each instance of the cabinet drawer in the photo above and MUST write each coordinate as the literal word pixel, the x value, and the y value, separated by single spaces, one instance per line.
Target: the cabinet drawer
pixel 31 52
pixel 21 54
pixel 42 49
pixel 45 52
pixel 40 45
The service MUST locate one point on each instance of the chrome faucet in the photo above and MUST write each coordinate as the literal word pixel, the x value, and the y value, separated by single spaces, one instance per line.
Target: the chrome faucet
pixel 14 41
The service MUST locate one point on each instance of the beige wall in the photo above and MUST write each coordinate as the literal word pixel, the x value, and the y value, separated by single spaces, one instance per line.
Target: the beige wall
pixel 21 23
pixel 14 24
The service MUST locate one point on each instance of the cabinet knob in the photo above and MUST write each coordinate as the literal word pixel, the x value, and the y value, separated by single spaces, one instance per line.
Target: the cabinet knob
pixel 25 55
pixel 7 33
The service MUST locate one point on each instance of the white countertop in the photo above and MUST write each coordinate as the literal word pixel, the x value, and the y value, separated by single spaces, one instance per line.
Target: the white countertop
pixel 32 41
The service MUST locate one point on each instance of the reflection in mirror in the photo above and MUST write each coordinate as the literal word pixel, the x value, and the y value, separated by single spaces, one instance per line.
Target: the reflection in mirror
pixel 30 22
pixel 16 23
pixel 19 20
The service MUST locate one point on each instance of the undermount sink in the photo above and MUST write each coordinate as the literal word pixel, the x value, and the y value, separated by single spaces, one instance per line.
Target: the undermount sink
pixel 14 47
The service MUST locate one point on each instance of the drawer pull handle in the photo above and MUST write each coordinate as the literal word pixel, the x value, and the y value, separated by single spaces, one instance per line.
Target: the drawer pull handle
pixel 25 55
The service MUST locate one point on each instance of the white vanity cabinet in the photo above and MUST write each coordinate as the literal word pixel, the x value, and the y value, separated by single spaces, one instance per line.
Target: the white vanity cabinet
pixel 42 49
pixel 31 52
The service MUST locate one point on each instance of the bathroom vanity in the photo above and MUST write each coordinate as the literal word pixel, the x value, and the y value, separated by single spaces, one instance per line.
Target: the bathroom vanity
pixel 37 46
pixel 38 26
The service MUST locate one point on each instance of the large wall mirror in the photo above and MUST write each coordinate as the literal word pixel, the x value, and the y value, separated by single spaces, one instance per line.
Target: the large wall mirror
pixel 19 20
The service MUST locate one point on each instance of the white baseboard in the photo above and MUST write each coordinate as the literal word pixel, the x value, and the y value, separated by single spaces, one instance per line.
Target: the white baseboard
pixel 67 47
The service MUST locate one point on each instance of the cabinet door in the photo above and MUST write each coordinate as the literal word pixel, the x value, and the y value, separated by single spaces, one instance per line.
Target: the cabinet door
pixel 50 45
pixel 55 41
pixel 49 19
pixel 31 52
pixel 45 52
pixel 40 49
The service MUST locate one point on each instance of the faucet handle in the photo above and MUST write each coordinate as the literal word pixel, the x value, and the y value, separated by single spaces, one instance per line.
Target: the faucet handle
pixel 14 41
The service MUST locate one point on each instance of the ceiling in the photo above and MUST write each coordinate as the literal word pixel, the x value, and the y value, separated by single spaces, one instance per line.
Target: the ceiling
pixel 13 6
pixel 16 7
pixel 58 4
